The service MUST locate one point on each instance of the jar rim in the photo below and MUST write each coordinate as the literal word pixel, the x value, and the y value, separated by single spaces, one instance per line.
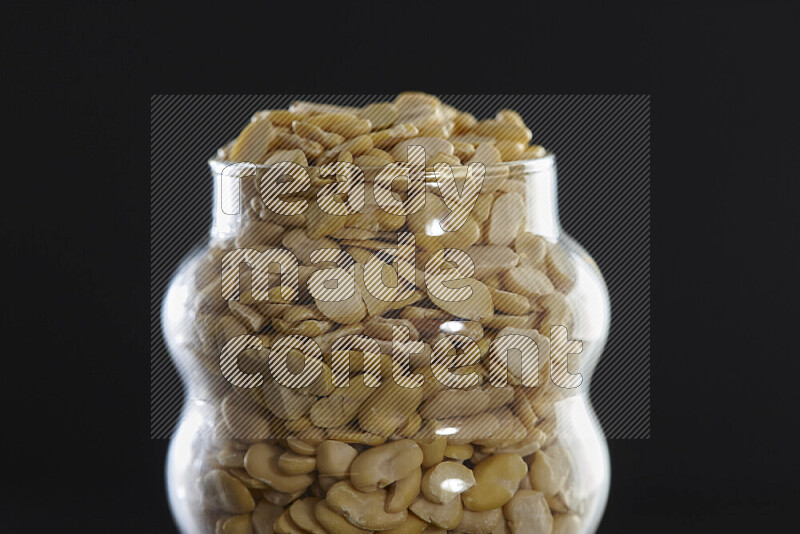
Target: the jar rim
pixel 528 165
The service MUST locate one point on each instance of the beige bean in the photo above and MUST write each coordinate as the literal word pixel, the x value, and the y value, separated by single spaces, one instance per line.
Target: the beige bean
pixel 528 281
pixel 386 139
pixel 560 267
pixel 345 124
pixel 462 402
pixel 317 134
pixel 415 313
pixel 380 466
pixel 496 177
pixel 237 524
pixel 334 458
pixel 380 154
pixel 292 463
pixel 224 492
pixel 432 450
pixel 430 122
pixel 411 428
pixel 349 311
pixel 264 517
pixel 463 151
pixel 333 522
pixel 513 186
pixel 389 408
pixel 366 161
pixel 243 419
pixel 283 402
pixel 313 435
pixel 314 108
pixel 348 434
pixel 356 147
pixel 416 99
pixel 325 341
pixel 403 491
pixel 531 248
pixel 459 452
pixel 279 117
pixel 506 219
pixel 248 315
pixel 254 142
pixel 510 150
pixel 412 525
pixel 571 500
pixel 300 447
pixel 341 406
pixel 450 159
pixel 310 328
pixel 431 145
pixel 481 522
pixel 447 515
pixel 463 122
pixel 381 328
pixel 446 481
pixel 289 221
pixel 466 429
pixel 471 138
pixel 549 470
pixel 486 153
pixel 503 131
pixel 497 478
pixel 514 358
pixel 380 115
pixel 566 524
pixel 247 480
pixel 286 525
pixel 320 223
pixel 302 513
pixel 510 303
pixel 524 447
pixel 295 155
pixel 230 457
pixel 354 234
pixel 477 307
pixel 557 503
pixel 261 462
pixel 557 312
pixel 510 430
pixel 298 242
pixel 365 510
pixel 279 498
pixel 492 259
pixel 295 148
pixel 326 482
pixel 528 512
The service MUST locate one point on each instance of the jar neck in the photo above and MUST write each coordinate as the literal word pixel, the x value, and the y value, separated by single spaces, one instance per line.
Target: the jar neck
pixel 539 177
pixel 541 197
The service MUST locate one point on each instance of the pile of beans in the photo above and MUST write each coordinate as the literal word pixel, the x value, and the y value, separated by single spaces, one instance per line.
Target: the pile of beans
pixel 361 459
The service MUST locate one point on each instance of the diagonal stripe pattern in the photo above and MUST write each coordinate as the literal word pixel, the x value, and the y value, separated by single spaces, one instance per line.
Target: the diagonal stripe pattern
pixel 603 147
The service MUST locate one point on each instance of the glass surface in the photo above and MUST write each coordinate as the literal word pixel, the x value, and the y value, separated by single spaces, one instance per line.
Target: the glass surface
pixel 325 458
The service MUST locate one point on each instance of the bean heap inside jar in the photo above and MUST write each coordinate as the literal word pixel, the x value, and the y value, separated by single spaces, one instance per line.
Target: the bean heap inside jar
pixel 374 455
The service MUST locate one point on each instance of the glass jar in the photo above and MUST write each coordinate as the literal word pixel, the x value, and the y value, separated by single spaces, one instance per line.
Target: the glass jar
pixel 462 452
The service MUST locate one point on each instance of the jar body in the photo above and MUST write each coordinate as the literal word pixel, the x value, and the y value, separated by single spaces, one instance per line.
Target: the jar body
pixel 489 440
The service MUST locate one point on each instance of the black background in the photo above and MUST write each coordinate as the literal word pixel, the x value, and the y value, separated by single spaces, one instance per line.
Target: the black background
pixel 723 78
